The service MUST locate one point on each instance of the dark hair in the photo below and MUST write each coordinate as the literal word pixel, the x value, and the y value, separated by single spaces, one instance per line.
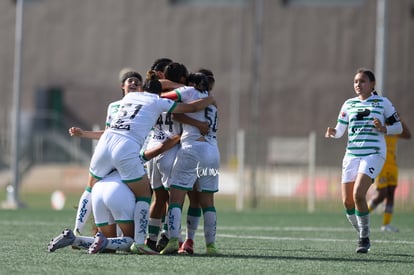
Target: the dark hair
pixel 175 72
pixel 369 74
pixel 152 84
pixel 210 77
pixel 199 80
pixel 160 64
pixel 129 74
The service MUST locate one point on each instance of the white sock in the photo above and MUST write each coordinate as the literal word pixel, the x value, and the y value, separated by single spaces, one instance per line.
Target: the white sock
pixel 210 224
pixel 83 242
pixel 120 243
pixel 84 210
pixel 363 223
pixel 141 216
pixel 193 218
pixel 174 221
pixel 353 220
pixel 165 227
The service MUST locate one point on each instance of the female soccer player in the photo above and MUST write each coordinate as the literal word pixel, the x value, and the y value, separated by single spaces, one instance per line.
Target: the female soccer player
pixel 196 167
pixel 364 117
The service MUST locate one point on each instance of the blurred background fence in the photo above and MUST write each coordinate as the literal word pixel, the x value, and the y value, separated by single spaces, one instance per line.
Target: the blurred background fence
pixel 54 161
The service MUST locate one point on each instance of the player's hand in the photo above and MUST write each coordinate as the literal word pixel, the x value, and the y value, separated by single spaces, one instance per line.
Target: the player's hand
pixel 203 127
pixel 75 132
pixel 172 141
pixel 378 125
pixel 330 132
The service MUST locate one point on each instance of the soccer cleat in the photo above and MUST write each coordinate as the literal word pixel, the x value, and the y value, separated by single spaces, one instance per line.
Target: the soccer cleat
pixel 162 242
pixel 187 247
pixel 66 238
pixel 389 228
pixel 151 244
pixel 99 244
pixel 142 249
pixel 211 249
pixel 363 245
pixel 171 247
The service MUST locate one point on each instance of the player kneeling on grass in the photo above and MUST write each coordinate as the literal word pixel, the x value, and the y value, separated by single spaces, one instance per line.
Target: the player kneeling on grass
pixel 113 204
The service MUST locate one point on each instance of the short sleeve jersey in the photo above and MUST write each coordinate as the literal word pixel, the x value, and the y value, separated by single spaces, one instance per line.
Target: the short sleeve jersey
pixel 138 113
pixel 113 109
pixel 187 94
pixel 363 138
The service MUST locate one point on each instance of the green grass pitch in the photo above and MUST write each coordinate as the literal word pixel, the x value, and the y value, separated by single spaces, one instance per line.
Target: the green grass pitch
pixel 272 240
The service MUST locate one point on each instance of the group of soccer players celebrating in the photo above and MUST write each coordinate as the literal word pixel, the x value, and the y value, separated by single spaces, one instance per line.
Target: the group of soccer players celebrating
pixel 161 142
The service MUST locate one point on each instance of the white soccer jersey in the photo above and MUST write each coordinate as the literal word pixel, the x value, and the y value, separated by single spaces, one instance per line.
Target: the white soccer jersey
pixel 211 114
pixel 164 128
pixel 358 115
pixel 197 161
pixel 187 94
pixel 159 168
pixel 112 110
pixel 138 114
pixel 119 146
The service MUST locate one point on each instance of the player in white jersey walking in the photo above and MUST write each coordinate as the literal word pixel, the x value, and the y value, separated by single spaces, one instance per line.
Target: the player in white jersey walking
pixel 364 117
pixel 119 146
pixel 198 161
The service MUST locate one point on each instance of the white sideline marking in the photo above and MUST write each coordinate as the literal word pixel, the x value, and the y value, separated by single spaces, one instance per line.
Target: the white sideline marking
pixel 252 228
pixel 286 228
pixel 306 239
pixel 298 229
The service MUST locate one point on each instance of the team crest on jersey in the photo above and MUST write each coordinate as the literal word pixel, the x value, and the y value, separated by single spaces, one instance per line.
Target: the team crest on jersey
pixel 343 114
pixel 376 103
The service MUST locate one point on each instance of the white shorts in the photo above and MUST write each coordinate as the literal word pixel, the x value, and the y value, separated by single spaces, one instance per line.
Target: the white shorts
pixel 199 162
pixel 117 152
pixel 159 168
pixel 369 165
pixel 112 201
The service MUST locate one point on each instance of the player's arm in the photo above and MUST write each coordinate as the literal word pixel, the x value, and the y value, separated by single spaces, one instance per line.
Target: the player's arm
pixel 406 132
pixel 193 106
pixel 201 125
pixel 168 85
pixel 173 95
pixel 336 132
pixel 161 148
pixel 78 132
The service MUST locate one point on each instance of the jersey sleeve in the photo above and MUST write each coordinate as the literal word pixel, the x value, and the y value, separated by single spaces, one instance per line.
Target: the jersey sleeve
pixel 174 95
pixel 390 112
pixel 187 94
pixel 112 110
pixel 389 109
pixel 343 117
pixel 167 105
